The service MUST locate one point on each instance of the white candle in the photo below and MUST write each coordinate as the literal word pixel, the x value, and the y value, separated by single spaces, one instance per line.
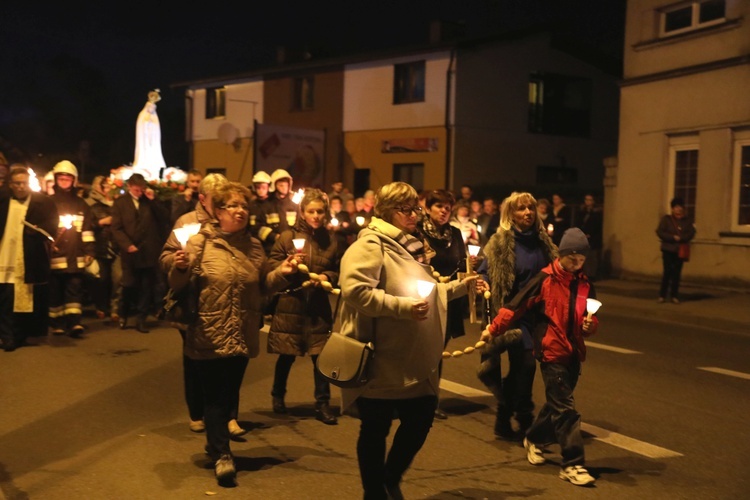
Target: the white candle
pixel 592 305
pixel 184 233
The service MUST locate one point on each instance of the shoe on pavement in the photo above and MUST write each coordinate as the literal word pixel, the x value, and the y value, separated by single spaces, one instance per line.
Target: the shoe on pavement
pixel 675 300
pixel 279 406
pixel 660 300
pixel 58 331
pixel 77 331
pixel 234 428
pixel 225 471
pixel 197 425
pixel 440 414
pixel 533 454
pixel 325 415
pixel 577 475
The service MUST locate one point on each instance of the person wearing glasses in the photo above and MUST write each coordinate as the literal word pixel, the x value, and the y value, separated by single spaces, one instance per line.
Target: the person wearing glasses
pixel 379 279
pixel 231 273
pixel 302 318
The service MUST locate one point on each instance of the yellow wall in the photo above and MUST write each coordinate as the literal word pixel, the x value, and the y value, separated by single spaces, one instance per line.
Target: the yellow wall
pixel 237 158
pixel 363 150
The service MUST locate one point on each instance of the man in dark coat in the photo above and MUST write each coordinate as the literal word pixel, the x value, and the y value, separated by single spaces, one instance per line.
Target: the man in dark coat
pixel 27 222
pixel 138 223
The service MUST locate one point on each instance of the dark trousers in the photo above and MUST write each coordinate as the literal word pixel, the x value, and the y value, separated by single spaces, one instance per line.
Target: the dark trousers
pixel 139 297
pixel 220 379
pixel 416 416
pixel 16 327
pixel 193 389
pixel 102 286
pixel 65 299
pixel 670 279
pixel 281 375
pixel 519 383
pixel 558 421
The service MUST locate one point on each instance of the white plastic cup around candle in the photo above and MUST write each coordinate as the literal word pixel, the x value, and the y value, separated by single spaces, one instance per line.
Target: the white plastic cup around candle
pixel 299 244
pixel 474 250
pixel 424 288
pixel 334 222
pixel 360 220
pixel 592 305
pixel 184 233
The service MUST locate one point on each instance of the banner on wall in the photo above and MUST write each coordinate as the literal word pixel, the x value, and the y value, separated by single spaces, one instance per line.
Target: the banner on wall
pixel 410 145
pixel 299 151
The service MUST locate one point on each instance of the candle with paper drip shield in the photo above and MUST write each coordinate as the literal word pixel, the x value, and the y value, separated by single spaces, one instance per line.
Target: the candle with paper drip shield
pixel 424 288
pixel 66 221
pixel 592 305
pixel 184 233
pixel 334 222
pixel 360 220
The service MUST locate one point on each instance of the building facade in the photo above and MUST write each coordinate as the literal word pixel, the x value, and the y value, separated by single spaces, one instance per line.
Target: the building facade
pixel 684 132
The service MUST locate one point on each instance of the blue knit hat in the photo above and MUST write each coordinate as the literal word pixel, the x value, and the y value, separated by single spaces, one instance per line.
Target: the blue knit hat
pixel 574 241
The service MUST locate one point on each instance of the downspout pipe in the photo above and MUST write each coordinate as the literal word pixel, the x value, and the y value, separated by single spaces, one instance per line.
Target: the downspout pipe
pixel 448 125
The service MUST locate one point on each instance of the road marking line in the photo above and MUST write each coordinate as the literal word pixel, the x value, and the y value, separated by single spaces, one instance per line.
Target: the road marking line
pixel 626 443
pixel 603 435
pixel 722 371
pixel 610 348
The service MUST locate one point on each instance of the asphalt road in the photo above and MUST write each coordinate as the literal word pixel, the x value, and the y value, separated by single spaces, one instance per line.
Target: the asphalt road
pixel 663 406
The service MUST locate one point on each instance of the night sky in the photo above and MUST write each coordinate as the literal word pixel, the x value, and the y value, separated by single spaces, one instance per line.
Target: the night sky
pixel 71 73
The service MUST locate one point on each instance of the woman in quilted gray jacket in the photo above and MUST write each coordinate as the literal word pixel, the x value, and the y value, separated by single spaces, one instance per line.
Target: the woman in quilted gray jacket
pixel 230 272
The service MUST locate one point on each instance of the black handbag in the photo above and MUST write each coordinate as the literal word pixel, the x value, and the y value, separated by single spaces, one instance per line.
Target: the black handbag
pixel 345 361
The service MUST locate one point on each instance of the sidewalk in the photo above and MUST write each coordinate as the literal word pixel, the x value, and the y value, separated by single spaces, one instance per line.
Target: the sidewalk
pixel 700 306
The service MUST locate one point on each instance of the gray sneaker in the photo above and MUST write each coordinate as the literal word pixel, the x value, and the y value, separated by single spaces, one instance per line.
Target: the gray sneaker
pixel 225 471
pixel 533 454
pixel 577 475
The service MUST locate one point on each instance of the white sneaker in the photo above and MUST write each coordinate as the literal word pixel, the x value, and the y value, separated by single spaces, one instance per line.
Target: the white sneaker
pixel 577 475
pixel 533 454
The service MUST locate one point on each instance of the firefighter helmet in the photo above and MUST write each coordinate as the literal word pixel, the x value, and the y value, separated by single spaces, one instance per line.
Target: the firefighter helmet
pixel 261 177
pixel 277 175
pixel 65 167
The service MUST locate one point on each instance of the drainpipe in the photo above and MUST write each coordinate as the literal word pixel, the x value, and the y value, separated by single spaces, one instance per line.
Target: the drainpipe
pixel 448 125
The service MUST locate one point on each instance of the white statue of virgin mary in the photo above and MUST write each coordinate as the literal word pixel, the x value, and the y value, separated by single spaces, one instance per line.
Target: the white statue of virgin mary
pixel 148 157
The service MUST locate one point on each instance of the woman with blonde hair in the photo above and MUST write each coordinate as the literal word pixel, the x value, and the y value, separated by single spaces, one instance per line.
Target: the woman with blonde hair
pixel 518 250
pixel 380 303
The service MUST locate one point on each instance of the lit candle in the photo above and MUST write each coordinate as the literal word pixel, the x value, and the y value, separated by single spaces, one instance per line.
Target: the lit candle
pixel 424 288
pixel 66 221
pixel 297 197
pixel 299 244
pixel 360 220
pixel 334 222
pixel 550 229
pixel 592 305
pixel 185 232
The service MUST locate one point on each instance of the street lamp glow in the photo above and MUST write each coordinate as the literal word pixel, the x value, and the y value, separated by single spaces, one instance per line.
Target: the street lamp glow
pixel 424 288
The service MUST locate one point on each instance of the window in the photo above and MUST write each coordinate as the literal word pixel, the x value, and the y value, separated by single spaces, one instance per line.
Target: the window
pixel 559 105
pixel 683 155
pixel 692 15
pixel 215 103
pixel 410 173
pixel 408 82
pixel 303 97
pixel 741 195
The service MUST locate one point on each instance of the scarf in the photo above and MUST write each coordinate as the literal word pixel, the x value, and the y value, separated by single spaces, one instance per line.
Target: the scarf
pixel 417 248
pixel 436 233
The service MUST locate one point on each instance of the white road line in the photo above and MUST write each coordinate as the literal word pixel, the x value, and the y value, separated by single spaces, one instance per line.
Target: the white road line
pixel 603 435
pixel 610 348
pixel 722 371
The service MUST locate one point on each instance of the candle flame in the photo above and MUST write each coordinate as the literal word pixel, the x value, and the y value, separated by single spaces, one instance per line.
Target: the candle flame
pixel 297 197
pixel 185 232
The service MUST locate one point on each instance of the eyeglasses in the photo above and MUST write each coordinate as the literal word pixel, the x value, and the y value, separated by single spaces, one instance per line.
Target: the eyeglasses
pixel 235 207
pixel 407 210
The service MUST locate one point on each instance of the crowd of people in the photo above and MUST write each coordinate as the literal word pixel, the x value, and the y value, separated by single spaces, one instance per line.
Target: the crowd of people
pixel 251 258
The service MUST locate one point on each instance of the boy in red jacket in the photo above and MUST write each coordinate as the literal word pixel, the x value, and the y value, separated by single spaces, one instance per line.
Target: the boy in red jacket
pixel 556 300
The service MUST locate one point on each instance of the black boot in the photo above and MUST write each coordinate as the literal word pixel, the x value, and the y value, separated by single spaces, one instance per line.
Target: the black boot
pixel 503 427
pixel 279 406
pixel 324 413
pixel 141 325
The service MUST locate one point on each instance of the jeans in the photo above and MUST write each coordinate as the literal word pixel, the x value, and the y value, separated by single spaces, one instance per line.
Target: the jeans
pixel 558 421
pixel 281 375
pixel 671 277
pixel 416 416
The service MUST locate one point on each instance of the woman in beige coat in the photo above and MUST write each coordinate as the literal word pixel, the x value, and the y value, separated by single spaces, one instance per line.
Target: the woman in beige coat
pixel 378 279
pixel 231 273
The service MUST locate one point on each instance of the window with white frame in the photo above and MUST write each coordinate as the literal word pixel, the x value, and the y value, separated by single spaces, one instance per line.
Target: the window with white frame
pixel 683 159
pixel 689 16
pixel 741 184
pixel 215 103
